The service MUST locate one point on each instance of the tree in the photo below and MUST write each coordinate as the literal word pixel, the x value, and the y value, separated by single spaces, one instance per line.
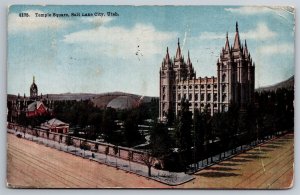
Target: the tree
pixel 130 157
pixel 160 142
pixel 220 124
pixel 183 133
pixel 108 123
pixel 148 161
pixel 131 132
pixel 106 152
pixel 184 127
pixel 199 132
pixel 68 141
pixel 84 145
pixel 116 150
pixel 170 118
pixel 96 147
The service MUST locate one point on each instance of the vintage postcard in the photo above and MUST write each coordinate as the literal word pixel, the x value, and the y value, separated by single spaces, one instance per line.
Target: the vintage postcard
pixel 183 97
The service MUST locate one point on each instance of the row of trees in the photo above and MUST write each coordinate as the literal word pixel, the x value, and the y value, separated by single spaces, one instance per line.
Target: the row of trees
pixel 186 138
pixel 103 122
pixel 201 136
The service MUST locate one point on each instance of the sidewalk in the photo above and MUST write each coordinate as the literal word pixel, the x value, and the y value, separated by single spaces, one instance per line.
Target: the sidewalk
pixel 165 177
pixel 202 164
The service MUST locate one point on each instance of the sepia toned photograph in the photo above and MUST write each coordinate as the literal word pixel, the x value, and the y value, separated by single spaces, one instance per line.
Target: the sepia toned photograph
pixel 185 97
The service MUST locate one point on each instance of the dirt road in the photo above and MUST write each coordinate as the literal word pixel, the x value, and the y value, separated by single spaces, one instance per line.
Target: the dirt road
pixel 31 165
pixel 267 167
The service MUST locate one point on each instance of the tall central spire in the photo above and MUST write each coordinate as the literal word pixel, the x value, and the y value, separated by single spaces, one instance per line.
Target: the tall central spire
pixel 237 44
pixel 178 53
pixel 33 79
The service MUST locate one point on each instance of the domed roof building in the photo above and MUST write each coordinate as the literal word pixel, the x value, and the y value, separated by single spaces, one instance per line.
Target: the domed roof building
pixel 123 102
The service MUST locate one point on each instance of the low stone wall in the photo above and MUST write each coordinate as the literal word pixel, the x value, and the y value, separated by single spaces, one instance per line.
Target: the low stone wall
pixel 100 147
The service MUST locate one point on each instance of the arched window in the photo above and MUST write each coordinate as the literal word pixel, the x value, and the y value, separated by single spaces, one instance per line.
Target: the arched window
pixel 208 97
pixel 208 86
pixel 196 86
pixel 215 86
pixel 179 87
pixel 215 97
pixel 196 105
pixel 223 77
pixel 179 96
pixel 202 97
pixel 164 89
pixel 223 88
pixel 184 87
pixel 196 97
pixel 164 97
pixel 190 86
pixel 184 96
pixel 224 97
pixel 202 86
pixel 190 97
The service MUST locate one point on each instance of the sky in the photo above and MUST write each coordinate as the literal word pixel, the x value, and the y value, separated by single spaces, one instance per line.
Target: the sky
pixel 96 54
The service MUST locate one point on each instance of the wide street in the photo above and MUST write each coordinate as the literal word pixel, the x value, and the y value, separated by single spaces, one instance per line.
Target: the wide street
pixel 33 165
pixel 269 166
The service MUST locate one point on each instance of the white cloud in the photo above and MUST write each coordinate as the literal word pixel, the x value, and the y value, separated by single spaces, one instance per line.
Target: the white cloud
pixel 283 48
pixel 16 23
pixel 213 35
pixel 261 32
pixel 142 40
pixel 252 10
pixel 97 21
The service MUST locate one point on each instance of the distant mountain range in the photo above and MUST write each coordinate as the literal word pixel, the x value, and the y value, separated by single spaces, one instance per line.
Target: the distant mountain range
pixel 288 84
pixel 126 100
pixel 117 100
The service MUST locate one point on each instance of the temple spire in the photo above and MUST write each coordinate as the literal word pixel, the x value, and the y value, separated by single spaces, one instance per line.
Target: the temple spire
pixel 237 43
pixel 189 60
pixel 178 52
pixel 246 50
pixel 227 43
pixel 167 56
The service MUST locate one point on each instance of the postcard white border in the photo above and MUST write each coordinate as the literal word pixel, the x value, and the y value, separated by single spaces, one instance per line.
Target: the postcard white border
pixel 3 82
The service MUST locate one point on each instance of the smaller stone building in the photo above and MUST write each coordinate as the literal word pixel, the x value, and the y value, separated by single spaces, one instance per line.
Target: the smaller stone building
pixel 56 126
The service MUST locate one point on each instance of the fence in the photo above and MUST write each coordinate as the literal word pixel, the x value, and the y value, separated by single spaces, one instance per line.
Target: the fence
pixel 94 146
